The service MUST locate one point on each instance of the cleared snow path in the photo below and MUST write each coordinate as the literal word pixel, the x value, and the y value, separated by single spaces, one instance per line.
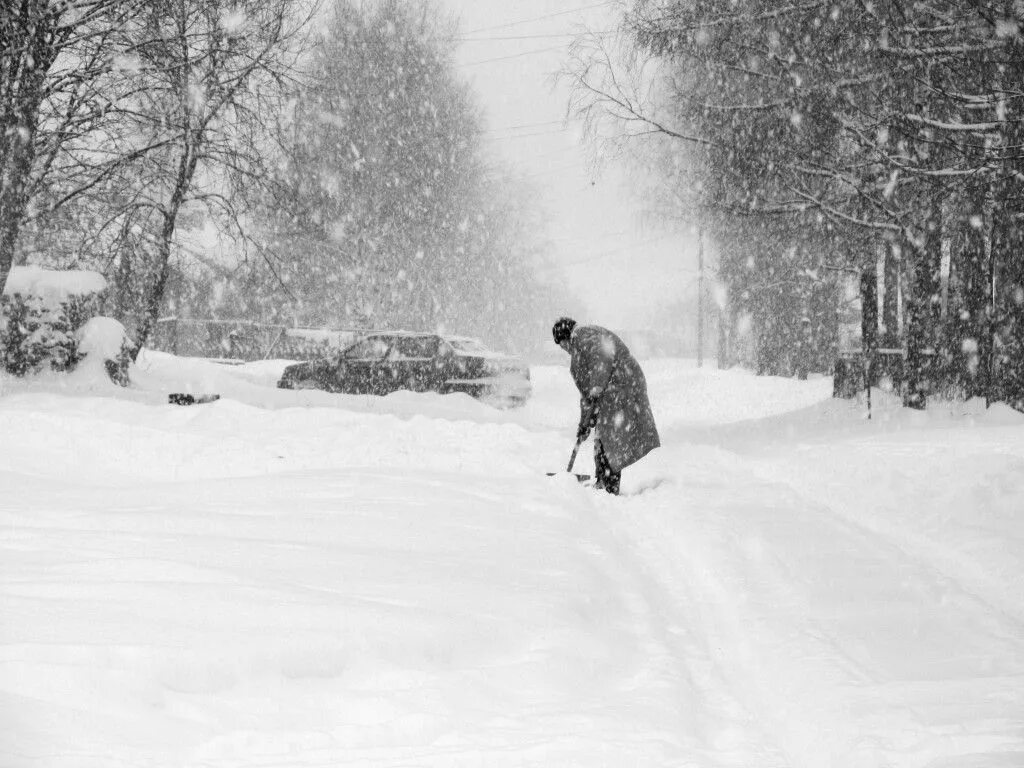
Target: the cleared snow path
pixel 288 580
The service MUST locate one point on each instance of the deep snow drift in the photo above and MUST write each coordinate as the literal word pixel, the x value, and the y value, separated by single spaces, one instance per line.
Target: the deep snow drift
pixel 301 579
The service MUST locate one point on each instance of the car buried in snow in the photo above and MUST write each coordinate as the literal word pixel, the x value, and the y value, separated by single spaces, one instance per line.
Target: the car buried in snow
pixel 382 363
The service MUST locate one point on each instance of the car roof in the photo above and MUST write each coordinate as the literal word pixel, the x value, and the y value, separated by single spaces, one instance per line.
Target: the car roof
pixel 386 335
pixel 402 334
pixel 419 335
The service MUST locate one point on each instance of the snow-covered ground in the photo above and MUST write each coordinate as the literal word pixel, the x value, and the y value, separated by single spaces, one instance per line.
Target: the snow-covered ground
pixel 291 579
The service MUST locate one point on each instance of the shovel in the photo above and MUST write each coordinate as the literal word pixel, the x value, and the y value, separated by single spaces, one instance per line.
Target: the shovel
pixel 572 460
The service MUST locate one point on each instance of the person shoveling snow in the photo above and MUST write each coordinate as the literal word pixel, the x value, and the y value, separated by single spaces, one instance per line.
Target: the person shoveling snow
pixel 613 399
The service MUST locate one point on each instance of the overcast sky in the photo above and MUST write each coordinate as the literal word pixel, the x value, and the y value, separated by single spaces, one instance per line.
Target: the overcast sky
pixel 618 267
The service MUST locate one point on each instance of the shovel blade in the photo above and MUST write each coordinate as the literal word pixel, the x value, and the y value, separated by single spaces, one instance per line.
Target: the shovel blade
pixel 579 478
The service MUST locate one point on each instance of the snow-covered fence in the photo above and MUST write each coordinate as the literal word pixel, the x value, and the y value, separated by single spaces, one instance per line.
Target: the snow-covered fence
pixel 247 341
pixel 42 316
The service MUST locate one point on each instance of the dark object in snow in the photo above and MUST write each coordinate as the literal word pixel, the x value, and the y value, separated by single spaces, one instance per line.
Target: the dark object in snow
pixel 382 363
pixel 182 398
pixel 613 399
pixel 572 460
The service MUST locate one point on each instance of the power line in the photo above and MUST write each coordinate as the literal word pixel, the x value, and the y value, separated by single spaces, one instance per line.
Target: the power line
pixel 529 135
pixel 601 255
pixel 516 55
pixel 616 233
pixel 554 154
pixel 526 125
pixel 603 33
pixel 540 18
pixel 557 169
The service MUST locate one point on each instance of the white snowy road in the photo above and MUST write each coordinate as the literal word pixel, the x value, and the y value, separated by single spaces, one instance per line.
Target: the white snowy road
pixel 848 640
pixel 394 582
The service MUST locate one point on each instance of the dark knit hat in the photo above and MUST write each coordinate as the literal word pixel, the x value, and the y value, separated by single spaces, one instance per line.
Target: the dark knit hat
pixel 562 329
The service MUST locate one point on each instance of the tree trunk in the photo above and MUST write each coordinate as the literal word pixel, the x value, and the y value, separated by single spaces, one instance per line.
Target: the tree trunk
pixel 869 310
pixel 890 336
pixel 988 358
pixel 13 202
pixel 28 56
pixel 869 324
pixel 923 283
pixel 155 296
pixel 971 319
pixel 182 183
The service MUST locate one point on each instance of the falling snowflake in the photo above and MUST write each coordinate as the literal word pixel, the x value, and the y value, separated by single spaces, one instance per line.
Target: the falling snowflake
pixel 234 21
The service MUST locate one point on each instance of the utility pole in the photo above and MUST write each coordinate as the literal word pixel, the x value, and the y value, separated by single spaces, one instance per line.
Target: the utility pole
pixel 700 295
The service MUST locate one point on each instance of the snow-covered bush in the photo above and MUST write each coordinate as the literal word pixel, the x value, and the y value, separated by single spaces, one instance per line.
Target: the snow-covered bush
pixel 104 349
pixel 40 318
pixel 31 336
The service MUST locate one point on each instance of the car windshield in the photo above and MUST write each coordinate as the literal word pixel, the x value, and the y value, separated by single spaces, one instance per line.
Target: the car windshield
pixel 468 345
pixel 412 347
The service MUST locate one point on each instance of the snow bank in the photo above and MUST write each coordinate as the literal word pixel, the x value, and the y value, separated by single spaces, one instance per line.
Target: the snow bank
pixel 682 393
pixel 101 338
pixel 103 341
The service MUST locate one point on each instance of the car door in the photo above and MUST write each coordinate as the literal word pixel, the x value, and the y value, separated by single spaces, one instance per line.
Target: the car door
pixel 446 368
pixel 404 364
pixel 430 366
pixel 361 366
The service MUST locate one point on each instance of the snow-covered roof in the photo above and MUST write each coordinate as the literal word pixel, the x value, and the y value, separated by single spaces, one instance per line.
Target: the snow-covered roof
pixel 53 285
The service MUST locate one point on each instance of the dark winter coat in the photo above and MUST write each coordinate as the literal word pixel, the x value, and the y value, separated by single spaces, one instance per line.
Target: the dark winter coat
pixel 614 389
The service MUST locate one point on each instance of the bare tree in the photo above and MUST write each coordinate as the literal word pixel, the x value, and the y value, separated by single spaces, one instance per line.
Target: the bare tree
pixel 204 78
pixel 40 68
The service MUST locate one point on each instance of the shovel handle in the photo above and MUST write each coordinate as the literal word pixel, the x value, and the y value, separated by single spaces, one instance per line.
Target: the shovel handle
pixel 575 450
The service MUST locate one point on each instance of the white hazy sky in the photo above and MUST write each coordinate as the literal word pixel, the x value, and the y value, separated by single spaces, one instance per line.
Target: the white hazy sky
pixel 621 268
